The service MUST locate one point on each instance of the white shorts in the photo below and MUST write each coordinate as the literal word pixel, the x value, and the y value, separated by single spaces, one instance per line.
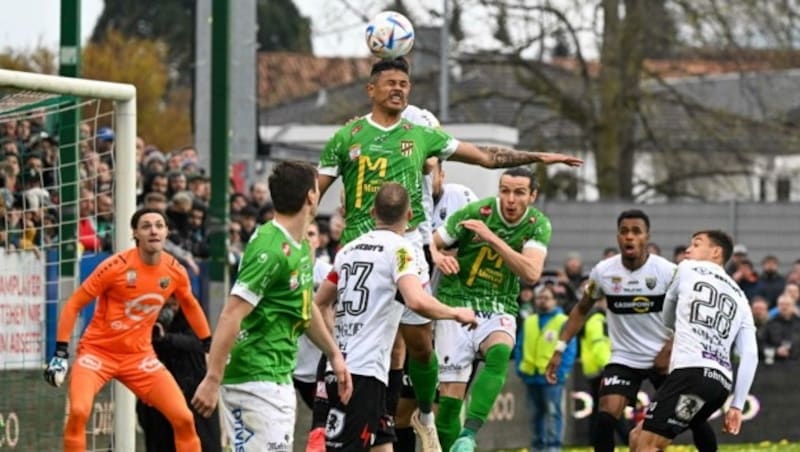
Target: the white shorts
pixel 410 317
pixel 308 356
pixel 259 416
pixel 457 347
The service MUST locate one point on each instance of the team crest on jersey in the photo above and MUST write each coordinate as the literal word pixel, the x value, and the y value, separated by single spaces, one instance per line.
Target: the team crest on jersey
pixel 532 220
pixel 294 281
pixel 355 130
pixel 443 213
pixel 406 147
pixel 355 151
pixel 163 282
pixel 650 282
pixel 403 259
pixel 287 251
pixel 485 211
pixel 130 278
pixel 407 126
pixel 616 283
pixel 688 406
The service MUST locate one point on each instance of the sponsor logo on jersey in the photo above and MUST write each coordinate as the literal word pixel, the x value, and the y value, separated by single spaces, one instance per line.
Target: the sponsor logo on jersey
pixel 355 151
pixel 163 282
pixel 294 282
pixel 143 306
pixel 287 250
pixel 262 258
pixel 635 304
pixel 406 147
pixel 403 259
pixel 356 129
pixel 688 406
pixel 650 282
pixel 130 278
pixel 485 211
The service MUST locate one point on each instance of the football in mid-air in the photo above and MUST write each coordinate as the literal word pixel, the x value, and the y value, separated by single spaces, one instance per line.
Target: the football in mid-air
pixel 390 35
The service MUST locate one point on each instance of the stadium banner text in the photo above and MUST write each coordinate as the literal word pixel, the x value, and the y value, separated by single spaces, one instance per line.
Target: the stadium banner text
pixel 22 309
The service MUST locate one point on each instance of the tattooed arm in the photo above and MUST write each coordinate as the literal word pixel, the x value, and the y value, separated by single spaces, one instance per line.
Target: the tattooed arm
pixel 504 157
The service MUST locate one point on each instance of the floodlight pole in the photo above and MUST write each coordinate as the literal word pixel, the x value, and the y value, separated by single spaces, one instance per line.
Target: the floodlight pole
pixel 444 71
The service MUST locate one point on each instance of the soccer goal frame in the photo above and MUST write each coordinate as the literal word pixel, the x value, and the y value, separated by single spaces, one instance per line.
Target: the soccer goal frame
pixel 124 97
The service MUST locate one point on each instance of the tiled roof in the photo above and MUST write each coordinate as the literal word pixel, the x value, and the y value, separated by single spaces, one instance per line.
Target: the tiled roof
pixel 735 106
pixel 283 75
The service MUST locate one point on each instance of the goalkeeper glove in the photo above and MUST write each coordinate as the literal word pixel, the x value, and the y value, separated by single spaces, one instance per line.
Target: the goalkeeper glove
pixel 56 371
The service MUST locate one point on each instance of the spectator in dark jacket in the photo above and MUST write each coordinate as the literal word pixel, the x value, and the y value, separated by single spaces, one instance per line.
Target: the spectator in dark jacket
pixel 782 332
pixel 184 356
pixel 772 282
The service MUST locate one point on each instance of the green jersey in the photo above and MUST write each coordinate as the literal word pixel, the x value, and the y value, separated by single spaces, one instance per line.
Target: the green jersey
pixel 366 155
pixel 276 277
pixel 484 283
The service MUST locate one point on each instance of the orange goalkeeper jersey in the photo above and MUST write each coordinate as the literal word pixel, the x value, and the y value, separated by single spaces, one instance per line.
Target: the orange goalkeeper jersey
pixel 130 295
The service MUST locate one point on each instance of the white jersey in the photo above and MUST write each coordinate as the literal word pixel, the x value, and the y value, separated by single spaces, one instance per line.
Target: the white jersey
pixel 367 313
pixel 423 117
pixel 308 355
pixel 709 312
pixel 454 197
pixel 635 302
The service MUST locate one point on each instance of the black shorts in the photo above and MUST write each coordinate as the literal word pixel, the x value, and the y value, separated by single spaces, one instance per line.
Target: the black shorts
pixel 307 391
pixel 687 398
pixel 626 381
pixel 359 425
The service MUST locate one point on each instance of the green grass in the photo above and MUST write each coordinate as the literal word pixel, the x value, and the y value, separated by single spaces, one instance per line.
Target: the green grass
pixel 765 446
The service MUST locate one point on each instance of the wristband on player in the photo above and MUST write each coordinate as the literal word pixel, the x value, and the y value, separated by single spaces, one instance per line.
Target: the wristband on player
pixel 62 350
pixel 561 346
pixel 206 343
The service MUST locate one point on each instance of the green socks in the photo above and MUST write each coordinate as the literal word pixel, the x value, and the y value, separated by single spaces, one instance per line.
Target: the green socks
pixel 487 385
pixel 425 378
pixel 448 421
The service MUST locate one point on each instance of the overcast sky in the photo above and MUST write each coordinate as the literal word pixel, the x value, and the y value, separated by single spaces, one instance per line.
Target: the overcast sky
pixel 337 25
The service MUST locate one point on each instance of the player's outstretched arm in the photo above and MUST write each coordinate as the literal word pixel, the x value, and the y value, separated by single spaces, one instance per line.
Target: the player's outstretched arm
pixel 577 317
pixel 420 301
pixel 528 264
pixel 504 157
pixel 207 393
pixel 322 338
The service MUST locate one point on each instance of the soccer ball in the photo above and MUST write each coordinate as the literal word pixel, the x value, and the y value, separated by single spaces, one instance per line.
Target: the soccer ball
pixel 390 35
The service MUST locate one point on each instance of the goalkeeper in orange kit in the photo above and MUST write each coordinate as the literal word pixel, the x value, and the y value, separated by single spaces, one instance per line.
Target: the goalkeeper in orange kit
pixel 131 286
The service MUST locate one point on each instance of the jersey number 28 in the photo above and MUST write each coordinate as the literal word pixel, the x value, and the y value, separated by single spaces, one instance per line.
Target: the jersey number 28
pixel 712 309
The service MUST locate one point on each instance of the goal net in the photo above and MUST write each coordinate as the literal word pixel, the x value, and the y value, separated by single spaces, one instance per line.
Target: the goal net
pixel 67 191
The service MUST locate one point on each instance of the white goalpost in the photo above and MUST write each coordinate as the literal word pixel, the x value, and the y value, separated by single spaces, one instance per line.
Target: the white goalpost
pixel 124 195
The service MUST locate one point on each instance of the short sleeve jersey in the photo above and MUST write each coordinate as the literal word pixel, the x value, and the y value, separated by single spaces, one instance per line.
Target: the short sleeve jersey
pixel 366 155
pixel 484 283
pixel 130 295
pixel 710 311
pixel 635 305
pixel 276 277
pixel 367 312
